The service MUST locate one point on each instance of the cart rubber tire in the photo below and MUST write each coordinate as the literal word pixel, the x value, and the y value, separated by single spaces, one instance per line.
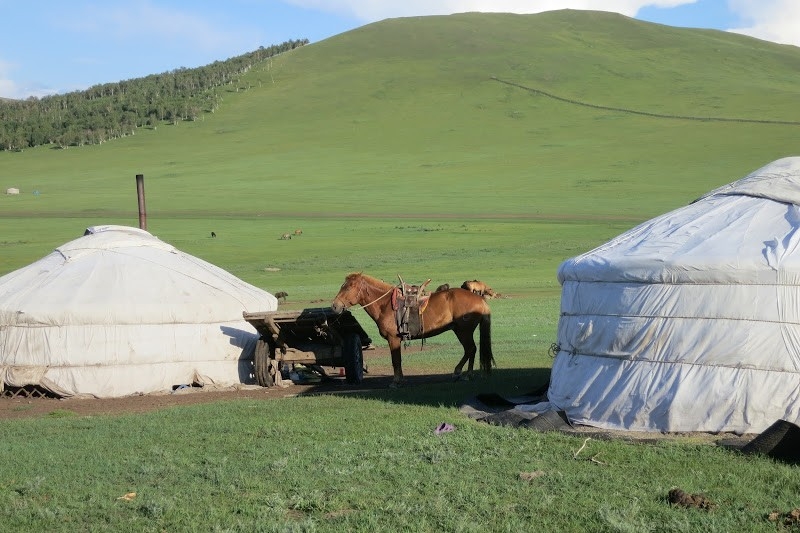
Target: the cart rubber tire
pixel 261 364
pixel 353 359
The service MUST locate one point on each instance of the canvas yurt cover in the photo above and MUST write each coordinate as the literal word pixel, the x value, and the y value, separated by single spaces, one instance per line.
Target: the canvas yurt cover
pixel 691 321
pixel 118 312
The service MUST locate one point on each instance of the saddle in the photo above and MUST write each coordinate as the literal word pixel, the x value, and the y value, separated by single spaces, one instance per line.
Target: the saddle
pixel 409 302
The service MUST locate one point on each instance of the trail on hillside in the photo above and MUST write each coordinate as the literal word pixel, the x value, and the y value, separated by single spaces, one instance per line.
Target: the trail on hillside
pixel 645 113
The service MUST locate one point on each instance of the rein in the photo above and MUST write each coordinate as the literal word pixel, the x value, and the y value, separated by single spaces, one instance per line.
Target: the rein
pixel 361 287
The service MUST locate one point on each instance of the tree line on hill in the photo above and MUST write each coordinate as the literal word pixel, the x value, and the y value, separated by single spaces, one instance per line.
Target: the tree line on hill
pixel 113 110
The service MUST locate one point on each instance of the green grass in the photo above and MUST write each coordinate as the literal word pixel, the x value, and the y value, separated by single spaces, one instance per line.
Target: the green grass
pixel 314 265
pixel 396 152
pixel 359 464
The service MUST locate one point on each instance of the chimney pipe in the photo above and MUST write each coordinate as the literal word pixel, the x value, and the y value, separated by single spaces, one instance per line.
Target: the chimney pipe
pixel 140 194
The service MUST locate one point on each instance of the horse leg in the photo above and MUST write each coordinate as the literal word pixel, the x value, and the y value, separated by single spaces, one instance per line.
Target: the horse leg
pixel 470 349
pixel 457 371
pixel 395 348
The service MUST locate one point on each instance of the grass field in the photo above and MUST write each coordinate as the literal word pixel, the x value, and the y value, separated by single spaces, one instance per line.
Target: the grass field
pixel 397 153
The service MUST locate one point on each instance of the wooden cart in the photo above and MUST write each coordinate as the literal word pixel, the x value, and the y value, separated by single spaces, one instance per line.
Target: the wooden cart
pixel 312 337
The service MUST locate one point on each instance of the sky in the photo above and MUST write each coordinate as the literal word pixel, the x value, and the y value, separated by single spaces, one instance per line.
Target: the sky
pixel 54 47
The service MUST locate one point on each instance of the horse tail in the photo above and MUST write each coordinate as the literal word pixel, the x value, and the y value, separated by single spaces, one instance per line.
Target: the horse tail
pixel 487 359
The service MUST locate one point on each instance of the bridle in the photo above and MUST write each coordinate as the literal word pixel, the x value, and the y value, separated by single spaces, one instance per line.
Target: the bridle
pixel 361 288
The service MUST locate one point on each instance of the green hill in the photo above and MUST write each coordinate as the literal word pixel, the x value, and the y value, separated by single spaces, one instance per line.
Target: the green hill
pixel 412 116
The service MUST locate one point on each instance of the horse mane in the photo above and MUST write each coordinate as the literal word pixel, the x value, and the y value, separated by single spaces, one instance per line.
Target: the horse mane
pixel 370 279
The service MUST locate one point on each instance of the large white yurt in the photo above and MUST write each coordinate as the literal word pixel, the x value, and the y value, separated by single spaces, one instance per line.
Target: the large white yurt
pixel 690 321
pixel 119 312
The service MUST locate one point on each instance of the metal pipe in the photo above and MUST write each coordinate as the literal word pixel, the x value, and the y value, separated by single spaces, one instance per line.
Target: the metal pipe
pixel 140 194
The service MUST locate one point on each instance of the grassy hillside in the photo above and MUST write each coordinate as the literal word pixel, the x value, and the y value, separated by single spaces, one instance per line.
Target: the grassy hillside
pixel 407 108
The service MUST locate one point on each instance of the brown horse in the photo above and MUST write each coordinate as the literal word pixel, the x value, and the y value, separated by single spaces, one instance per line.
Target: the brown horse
pixel 453 309
pixel 479 288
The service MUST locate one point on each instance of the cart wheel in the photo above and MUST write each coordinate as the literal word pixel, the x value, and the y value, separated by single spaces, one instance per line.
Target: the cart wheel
pixel 353 359
pixel 261 364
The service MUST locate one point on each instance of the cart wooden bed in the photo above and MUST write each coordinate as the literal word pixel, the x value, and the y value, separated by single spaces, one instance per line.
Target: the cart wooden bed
pixel 314 337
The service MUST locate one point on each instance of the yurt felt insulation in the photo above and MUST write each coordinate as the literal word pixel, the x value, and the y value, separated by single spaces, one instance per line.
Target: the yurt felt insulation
pixel 119 312
pixel 690 321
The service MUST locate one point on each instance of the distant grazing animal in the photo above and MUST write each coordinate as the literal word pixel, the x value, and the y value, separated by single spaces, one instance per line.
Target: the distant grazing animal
pixel 443 287
pixel 281 295
pixel 286 237
pixel 456 309
pixel 479 288
pixel 298 231
pixel 213 234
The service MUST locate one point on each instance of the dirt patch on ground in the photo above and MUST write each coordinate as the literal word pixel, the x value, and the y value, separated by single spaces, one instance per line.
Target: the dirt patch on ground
pixel 378 378
pixel 21 407
pixel 684 499
pixel 36 407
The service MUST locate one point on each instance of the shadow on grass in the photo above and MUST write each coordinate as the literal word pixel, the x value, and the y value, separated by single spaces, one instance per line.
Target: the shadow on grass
pixel 439 389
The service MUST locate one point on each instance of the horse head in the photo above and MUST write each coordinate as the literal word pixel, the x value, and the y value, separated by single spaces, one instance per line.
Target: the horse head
pixel 348 294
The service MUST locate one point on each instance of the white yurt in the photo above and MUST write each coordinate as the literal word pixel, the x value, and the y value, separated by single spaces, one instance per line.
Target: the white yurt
pixel 690 321
pixel 119 312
